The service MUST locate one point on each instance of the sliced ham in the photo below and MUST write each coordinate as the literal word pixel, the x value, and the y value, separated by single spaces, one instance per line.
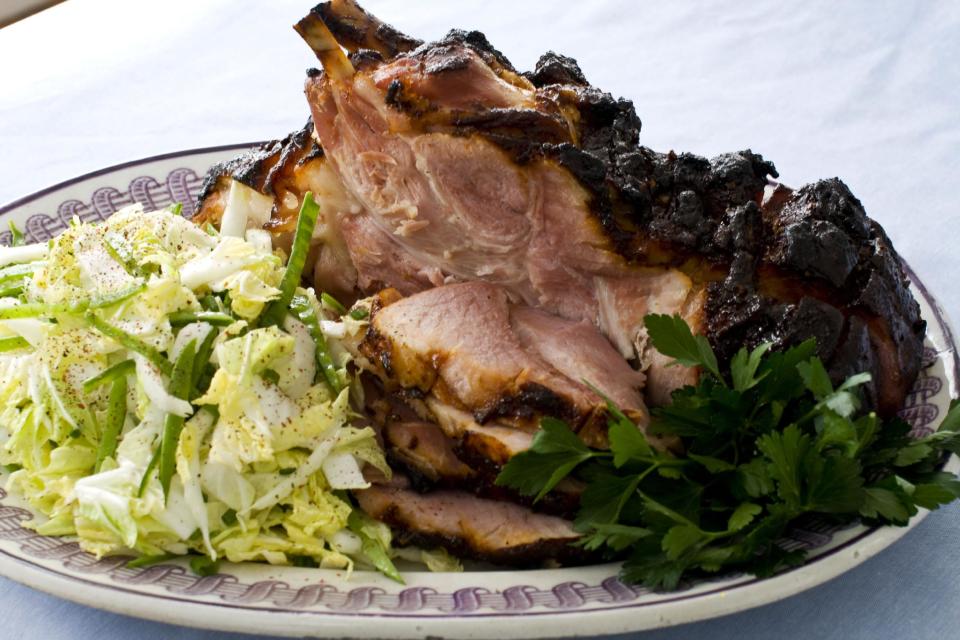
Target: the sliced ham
pixel 491 530
pixel 465 346
pixel 516 234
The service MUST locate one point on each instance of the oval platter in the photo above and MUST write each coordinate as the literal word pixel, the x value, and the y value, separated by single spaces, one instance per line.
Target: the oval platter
pixel 294 601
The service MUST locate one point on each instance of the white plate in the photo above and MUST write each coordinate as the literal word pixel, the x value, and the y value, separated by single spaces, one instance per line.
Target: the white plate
pixel 323 603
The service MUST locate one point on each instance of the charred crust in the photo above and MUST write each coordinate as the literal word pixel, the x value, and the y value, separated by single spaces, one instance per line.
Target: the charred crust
pixel 473 40
pixel 355 29
pixel 297 146
pixel 245 168
pixel 445 60
pixel 315 153
pixel 529 401
pixel 420 481
pixel 313 72
pixel 346 31
pixel 518 124
pixel 260 167
pixel 779 265
pixel 395 41
pixel 821 231
pixel 376 346
pixel 394 91
pixel 411 393
pixel 553 68
pixel 363 59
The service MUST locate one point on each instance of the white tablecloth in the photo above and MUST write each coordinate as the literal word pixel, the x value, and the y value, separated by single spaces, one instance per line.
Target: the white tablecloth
pixel 869 91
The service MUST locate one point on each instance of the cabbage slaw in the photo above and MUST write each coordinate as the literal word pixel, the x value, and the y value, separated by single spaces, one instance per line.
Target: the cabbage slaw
pixel 170 390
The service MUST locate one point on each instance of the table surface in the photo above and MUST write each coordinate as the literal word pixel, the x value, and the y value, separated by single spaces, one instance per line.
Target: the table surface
pixel 869 91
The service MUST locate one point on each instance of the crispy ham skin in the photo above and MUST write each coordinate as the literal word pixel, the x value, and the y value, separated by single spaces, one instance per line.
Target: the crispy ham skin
pixel 514 234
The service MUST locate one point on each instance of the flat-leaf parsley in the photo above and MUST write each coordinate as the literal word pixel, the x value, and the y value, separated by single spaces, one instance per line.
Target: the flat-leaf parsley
pixel 767 442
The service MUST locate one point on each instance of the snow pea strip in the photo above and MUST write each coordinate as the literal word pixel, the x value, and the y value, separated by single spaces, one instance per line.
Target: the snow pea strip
pixel 333 303
pixel 373 549
pixel 116 414
pixel 102 302
pixel 211 302
pixel 12 291
pixel 147 561
pixel 17 238
pixel 200 361
pixel 16 272
pixel 306 221
pixel 183 318
pixel 34 309
pixel 129 341
pixel 204 566
pixel 181 382
pixel 119 370
pixel 12 343
pixel 305 312
pixel 124 261
pixel 151 466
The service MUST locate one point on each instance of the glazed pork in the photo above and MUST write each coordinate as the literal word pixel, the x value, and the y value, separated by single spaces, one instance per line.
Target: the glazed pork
pixel 467 347
pixel 464 378
pixel 471 527
pixel 514 234
pixel 441 163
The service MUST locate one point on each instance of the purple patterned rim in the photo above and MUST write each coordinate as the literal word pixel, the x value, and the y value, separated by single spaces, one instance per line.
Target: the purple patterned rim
pixel 325 598
pixel 27 199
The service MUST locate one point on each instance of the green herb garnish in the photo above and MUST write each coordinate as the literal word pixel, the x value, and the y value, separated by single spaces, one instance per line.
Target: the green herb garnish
pixel 764 443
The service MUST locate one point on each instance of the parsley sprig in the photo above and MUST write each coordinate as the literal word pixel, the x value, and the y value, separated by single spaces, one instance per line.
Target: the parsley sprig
pixel 749 452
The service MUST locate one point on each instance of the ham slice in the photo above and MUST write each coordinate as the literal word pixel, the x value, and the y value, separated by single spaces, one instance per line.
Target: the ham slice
pixel 472 527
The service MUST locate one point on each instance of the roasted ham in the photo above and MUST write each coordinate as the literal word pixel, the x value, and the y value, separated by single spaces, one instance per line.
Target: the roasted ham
pixel 515 233
pixel 458 345
pixel 471 527
pixel 465 378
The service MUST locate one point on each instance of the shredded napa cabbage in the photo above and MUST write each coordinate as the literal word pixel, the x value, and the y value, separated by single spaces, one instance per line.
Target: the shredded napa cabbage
pixel 133 349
